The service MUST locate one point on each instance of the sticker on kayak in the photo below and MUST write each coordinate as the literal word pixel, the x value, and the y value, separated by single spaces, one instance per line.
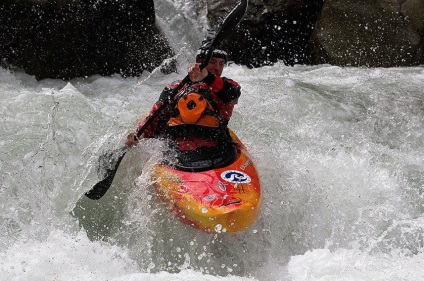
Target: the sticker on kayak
pixel 235 176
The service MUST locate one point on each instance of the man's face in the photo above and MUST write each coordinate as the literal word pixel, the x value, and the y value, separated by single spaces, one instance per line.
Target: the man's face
pixel 216 66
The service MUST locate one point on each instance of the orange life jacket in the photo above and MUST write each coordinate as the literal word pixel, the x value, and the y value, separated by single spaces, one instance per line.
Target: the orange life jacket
pixel 195 109
pixel 195 120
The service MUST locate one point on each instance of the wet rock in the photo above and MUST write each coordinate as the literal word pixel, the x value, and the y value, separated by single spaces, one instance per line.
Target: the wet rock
pixel 270 31
pixel 382 33
pixel 65 39
pixel 68 38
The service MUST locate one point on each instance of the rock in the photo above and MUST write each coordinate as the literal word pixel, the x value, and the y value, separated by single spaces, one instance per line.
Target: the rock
pixel 270 31
pixel 381 33
pixel 369 33
pixel 68 38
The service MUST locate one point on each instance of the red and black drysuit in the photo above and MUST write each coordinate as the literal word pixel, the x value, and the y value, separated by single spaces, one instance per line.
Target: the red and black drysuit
pixel 194 143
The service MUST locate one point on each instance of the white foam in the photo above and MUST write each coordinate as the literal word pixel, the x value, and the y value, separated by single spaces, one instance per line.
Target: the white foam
pixel 354 265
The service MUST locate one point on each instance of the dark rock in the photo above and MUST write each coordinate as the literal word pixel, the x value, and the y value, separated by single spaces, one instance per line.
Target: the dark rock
pixel 65 39
pixel 69 38
pixel 380 33
pixel 271 31
pixel 369 33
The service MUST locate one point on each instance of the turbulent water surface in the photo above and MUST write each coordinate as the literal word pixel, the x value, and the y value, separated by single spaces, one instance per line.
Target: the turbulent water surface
pixel 339 150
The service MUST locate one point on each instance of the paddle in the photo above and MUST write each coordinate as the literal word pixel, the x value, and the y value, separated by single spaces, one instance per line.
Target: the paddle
pixel 114 158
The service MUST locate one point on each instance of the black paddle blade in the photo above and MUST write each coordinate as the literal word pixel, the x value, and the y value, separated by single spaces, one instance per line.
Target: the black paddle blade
pixel 230 21
pixel 100 188
pixel 214 38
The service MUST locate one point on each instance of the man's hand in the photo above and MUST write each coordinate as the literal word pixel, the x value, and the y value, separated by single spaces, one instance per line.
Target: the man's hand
pixel 195 73
pixel 131 140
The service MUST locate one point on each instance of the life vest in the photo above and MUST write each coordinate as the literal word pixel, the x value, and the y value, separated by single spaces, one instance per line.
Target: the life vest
pixel 195 107
pixel 195 114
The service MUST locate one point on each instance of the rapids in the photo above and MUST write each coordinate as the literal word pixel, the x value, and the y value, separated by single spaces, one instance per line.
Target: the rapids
pixel 339 150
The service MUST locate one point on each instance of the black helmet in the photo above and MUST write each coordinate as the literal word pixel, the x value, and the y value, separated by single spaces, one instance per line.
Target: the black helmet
pixel 201 54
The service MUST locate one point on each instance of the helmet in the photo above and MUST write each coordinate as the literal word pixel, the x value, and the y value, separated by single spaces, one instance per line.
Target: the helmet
pixel 201 54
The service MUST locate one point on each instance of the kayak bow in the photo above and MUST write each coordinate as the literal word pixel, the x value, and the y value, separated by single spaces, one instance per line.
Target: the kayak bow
pixel 226 199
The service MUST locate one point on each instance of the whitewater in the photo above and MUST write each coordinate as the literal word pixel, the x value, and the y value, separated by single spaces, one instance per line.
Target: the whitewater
pixel 339 151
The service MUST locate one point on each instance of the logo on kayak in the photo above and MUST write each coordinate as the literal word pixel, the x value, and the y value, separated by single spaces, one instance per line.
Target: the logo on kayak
pixel 244 166
pixel 235 176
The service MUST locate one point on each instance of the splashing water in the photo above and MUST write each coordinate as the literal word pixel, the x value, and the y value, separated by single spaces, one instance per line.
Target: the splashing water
pixel 339 152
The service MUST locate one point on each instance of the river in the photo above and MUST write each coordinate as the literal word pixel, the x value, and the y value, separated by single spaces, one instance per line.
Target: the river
pixel 339 151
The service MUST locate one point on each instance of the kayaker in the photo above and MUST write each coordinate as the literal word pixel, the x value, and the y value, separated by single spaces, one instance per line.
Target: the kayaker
pixel 195 120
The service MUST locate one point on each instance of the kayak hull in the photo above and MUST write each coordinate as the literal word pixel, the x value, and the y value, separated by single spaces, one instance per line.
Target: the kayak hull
pixel 221 200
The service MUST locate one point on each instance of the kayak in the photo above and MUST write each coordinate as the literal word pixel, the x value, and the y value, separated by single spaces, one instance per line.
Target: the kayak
pixel 218 200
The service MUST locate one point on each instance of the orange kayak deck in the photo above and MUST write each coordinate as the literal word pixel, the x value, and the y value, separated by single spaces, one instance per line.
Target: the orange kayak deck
pixel 222 200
